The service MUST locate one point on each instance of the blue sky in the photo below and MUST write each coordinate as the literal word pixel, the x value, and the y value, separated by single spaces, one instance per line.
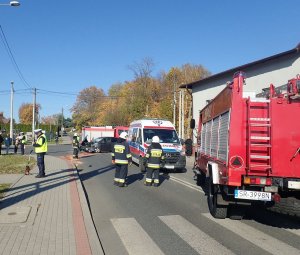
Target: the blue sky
pixel 63 45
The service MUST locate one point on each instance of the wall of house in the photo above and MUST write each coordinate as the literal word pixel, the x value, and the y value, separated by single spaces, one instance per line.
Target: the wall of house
pixel 277 71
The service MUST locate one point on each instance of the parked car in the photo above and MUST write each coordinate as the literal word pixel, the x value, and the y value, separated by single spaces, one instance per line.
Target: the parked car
pixel 104 144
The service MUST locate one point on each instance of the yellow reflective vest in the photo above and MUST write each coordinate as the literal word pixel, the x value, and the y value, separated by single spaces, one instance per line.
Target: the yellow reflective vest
pixel 43 146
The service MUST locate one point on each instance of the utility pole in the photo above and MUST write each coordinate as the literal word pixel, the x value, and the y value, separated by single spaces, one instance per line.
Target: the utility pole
pixel 33 113
pixel 174 103
pixel 62 119
pixel 11 109
pixel 182 115
pixel 179 114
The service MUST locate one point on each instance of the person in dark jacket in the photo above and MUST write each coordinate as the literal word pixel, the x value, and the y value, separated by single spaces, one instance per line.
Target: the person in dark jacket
pixel 7 142
pixel 154 159
pixel 22 140
pixel 1 141
pixel 121 157
pixel 75 143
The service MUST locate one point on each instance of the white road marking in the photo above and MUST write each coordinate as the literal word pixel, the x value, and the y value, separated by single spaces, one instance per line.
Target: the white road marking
pixel 257 237
pixel 294 231
pixel 187 184
pixel 134 237
pixel 196 238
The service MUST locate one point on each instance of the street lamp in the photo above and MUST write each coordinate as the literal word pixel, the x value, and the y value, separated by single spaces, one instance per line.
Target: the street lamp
pixel 13 3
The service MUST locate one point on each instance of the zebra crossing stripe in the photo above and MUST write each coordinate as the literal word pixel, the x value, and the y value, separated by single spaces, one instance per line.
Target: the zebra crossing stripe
pixel 257 237
pixel 197 239
pixel 134 237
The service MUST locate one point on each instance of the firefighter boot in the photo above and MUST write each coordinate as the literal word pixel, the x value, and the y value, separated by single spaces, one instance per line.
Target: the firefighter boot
pixel 148 182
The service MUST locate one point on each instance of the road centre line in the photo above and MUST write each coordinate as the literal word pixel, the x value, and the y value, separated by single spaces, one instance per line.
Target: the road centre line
pixel 197 239
pixel 134 237
pixel 257 237
pixel 187 184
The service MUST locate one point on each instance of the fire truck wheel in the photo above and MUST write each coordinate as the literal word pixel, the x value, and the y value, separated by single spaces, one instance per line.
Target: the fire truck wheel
pixel 201 179
pixel 141 165
pixel 216 210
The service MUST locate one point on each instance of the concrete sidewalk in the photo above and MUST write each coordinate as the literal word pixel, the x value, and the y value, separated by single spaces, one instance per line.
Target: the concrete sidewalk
pixel 48 215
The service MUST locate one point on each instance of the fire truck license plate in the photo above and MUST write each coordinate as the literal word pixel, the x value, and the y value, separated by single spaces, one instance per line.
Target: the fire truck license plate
pixel 252 195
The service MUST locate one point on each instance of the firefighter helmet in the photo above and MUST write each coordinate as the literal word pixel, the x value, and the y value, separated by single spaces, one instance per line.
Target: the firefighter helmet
pixel 155 139
pixel 123 135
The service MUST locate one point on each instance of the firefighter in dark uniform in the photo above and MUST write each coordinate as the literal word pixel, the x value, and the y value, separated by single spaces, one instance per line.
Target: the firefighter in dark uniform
pixel 121 157
pixel 75 145
pixel 41 148
pixel 154 158
pixel 22 139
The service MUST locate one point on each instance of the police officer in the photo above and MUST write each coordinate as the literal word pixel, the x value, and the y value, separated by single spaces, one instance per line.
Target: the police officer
pixel 41 148
pixel 22 140
pixel 154 157
pixel 75 145
pixel 121 157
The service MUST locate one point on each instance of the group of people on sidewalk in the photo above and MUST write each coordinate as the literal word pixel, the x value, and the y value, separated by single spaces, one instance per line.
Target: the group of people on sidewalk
pixel 121 158
pixel 20 141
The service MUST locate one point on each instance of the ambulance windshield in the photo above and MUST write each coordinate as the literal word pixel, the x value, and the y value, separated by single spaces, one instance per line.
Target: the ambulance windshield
pixel 165 135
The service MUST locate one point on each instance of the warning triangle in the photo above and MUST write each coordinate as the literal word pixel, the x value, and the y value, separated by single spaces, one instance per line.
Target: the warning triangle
pixel 236 162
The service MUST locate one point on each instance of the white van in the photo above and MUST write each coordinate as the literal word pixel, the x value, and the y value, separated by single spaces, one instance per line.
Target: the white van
pixel 140 136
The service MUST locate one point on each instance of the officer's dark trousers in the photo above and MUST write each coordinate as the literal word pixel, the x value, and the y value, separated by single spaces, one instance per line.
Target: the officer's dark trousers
pixel 41 163
pixel 75 152
pixel 22 148
pixel 152 174
pixel 121 173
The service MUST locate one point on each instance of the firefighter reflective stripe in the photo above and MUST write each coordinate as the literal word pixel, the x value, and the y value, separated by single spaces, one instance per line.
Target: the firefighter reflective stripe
pixel 112 154
pixel 156 153
pixel 147 155
pixel 153 165
pixel 148 180
pixel 128 155
pixel 121 180
pixel 116 179
pixel 119 148
pixel 121 161
pixel 43 147
pixel 156 180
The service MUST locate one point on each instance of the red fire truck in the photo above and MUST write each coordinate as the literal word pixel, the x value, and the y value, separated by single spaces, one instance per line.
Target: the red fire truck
pixel 248 148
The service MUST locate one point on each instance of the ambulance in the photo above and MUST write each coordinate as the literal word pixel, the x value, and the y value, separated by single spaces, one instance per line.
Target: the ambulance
pixel 140 135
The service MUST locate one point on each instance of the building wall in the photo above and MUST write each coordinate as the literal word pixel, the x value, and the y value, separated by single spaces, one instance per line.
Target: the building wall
pixel 277 71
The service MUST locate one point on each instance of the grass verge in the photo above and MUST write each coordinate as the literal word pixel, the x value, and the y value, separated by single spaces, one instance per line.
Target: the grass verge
pixel 15 164
pixel 4 188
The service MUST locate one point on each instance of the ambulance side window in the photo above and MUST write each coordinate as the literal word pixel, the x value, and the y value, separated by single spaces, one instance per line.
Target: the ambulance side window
pixel 139 137
pixel 134 134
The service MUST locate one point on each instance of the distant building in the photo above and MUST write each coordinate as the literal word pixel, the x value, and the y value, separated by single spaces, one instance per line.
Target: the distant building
pixel 277 69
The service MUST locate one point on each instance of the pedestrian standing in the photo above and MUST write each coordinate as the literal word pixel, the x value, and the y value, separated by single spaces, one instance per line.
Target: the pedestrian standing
pixel 7 142
pixel 75 145
pixel 154 158
pixel 121 157
pixel 22 141
pixel 16 145
pixel 1 141
pixel 41 147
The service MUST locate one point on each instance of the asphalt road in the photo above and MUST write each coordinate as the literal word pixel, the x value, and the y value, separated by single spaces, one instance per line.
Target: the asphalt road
pixel 173 218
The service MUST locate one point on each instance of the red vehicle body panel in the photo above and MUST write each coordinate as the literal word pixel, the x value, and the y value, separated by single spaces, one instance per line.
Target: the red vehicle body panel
pixel 276 140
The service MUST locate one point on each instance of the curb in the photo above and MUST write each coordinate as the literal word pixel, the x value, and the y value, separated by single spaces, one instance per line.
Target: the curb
pixel 94 240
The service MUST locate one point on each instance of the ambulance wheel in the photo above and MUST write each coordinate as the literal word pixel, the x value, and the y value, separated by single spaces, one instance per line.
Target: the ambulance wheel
pixel 141 165
pixel 216 210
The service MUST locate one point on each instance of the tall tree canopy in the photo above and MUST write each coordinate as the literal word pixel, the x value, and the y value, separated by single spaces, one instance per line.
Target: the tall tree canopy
pixel 25 113
pixel 144 96
pixel 87 106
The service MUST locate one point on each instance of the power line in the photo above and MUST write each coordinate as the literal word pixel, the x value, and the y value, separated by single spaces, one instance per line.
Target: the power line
pixel 12 58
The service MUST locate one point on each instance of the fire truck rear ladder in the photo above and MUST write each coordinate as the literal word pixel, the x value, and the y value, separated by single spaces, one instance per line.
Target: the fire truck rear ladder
pixel 259 136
